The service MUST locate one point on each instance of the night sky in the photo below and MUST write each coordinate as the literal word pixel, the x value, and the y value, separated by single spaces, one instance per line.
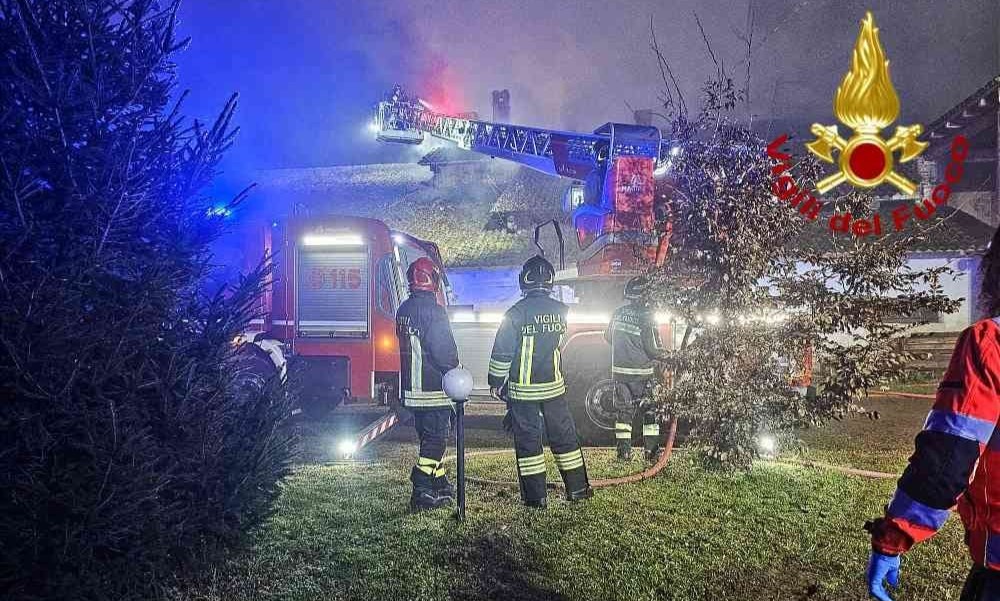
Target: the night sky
pixel 308 71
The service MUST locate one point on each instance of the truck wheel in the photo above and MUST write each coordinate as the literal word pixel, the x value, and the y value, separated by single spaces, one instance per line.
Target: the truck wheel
pixel 592 406
pixel 253 369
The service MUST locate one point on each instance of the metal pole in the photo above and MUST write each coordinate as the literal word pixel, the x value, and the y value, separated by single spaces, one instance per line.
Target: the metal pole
pixel 460 436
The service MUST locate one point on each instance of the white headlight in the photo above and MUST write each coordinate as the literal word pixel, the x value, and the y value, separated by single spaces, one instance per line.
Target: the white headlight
pixel 768 444
pixel 346 447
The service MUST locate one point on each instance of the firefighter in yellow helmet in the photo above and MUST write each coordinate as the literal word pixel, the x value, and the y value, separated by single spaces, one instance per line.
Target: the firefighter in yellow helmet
pixel 525 370
pixel 635 343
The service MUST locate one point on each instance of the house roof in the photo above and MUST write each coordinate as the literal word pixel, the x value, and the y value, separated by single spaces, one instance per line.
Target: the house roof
pixel 532 192
pixel 451 155
pixel 453 216
pixel 969 117
pixel 362 190
pixel 949 231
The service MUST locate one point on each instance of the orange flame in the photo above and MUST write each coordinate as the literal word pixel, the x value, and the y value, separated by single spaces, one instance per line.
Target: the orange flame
pixel 866 100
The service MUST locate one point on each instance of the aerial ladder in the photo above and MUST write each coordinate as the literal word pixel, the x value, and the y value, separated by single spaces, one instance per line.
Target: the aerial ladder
pixel 616 165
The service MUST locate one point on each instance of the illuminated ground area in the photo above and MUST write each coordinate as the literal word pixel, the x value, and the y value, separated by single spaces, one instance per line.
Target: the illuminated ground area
pixel 776 533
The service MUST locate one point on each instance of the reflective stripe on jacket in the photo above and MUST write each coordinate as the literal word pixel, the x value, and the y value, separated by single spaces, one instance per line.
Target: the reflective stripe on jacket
pixel 426 351
pixel 526 352
pixel 957 456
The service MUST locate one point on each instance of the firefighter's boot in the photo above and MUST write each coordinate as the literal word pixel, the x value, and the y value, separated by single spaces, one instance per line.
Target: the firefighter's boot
pixel 443 487
pixel 574 475
pixel 624 450
pixel 651 437
pixel 424 496
pixel 623 436
pixel 580 495
pixel 535 503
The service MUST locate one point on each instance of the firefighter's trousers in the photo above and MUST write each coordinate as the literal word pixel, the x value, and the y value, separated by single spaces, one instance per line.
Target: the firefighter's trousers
pixel 633 394
pixel 433 427
pixel 528 420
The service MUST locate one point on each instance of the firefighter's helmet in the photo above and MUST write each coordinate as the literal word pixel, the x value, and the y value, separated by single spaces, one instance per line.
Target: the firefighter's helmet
pixel 636 287
pixel 423 275
pixel 537 274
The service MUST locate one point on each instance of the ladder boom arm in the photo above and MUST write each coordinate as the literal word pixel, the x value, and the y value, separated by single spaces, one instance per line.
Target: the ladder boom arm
pixel 568 154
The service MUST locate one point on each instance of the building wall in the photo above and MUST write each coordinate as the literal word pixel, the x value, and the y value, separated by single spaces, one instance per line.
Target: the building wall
pixel 485 288
pixel 492 289
pixel 964 285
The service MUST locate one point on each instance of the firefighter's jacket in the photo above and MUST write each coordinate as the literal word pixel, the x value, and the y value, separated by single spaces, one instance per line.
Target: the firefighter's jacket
pixel 426 351
pixel 526 350
pixel 634 340
pixel 957 456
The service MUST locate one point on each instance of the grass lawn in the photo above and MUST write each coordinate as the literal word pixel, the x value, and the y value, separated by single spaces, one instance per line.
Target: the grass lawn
pixel 777 532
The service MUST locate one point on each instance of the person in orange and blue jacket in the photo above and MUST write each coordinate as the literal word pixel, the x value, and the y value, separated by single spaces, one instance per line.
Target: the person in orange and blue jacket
pixel 957 460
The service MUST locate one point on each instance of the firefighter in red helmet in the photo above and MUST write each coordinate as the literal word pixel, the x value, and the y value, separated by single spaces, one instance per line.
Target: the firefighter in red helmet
pixel 956 461
pixel 426 352
pixel 525 370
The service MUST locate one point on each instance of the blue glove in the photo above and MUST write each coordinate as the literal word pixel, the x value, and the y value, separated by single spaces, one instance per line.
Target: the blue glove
pixel 882 568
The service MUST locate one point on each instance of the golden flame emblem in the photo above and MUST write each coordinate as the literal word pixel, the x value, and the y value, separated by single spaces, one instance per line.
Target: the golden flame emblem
pixel 867 103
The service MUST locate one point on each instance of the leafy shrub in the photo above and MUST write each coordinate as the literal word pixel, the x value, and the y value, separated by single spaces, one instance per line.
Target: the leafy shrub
pixel 131 444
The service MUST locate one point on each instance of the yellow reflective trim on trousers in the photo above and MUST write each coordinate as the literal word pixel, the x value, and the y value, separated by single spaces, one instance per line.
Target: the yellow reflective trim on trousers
pixel 623 430
pixel 416 364
pixel 569 461
pixel 529 466
pixel 651 429
pixel 572 465
pixel 569 455
pixel 427 465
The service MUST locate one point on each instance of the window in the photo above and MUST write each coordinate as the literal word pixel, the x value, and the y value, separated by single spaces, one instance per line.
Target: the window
pixel 387 288
pixel 573 198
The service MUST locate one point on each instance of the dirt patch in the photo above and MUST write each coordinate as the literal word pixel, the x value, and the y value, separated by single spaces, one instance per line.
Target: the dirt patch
pixel 497 570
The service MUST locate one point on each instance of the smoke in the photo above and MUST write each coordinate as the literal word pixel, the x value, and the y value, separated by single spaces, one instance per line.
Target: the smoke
pixel 309 71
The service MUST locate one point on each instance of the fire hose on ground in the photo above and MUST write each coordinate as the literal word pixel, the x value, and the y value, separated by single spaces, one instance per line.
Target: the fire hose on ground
pixel 458 383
